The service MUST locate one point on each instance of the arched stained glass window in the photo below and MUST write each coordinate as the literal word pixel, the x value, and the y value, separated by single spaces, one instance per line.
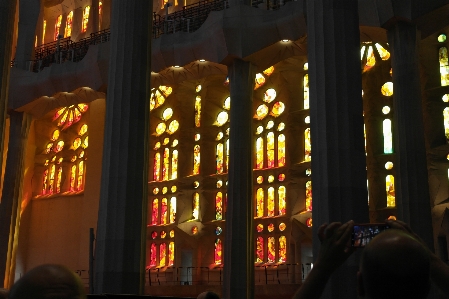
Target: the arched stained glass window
pixel 281 150
pixel 85 21
pixel 446 122
pixel 172 210
pixel 219 154
pixel 259 202
pixel 388 137
pixel 259 250
pixel 162 254
pixel 270 202
pixel 58 180
pixel 68 25
pixel 219 206
pixel 270 149
pixel 306 91
pixel 44 182
pixel 57 26
pixel 153 255
pixel 307 146
pixel 227 154
pixel 72 177
pixel 309 196
pixel 157 167
pixel 171 253
pixel 164 211
pixel 196 159
pixel 218 252
pixel 282 249
pixel 444 66
pixel 79 184
pixel 271 249
pixel 391 198
pixel 198 111
pixel 52 179
pixel 196 206
pixel 259 153
pixel 155 212
pixel 166 164
pixel 100 14
pixel 281 198
pixel 174 165
pixel 44 28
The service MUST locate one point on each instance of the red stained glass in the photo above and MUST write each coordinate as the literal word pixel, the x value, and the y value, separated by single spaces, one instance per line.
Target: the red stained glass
pixel 164 210
pixel 218 251
pixel 271 250
pixel 72 178
pixel 309 196
pixel 79 184
pixel 155 212
pixel 58 180
pixel 259 250
pixel 259 228
pixel 307 145
pixel 166 164
pixel 162 254
pixel 259 153
pixel 282 249
pixel 270 227
pixel 259 202
pixel 281 197
pixel 281 150
pixel 153 255
pixel 157 167
pixel 52 179
pixel 219 206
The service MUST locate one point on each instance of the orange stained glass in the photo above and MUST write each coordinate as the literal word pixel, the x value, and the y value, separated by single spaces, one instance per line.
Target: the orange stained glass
pixel 153 255
pixel 55 135
pixel 166 90
pixel 270 150
pixel 155 212
pixel 259 81
pixel 219 206
pixel 309 196
pixel 57 26
pixel 172 216
pixel 100 14
pixel 307 146
pixel 446 122
pixel 171 253
pixel 281 150
pixel 76 143
pixel 196 159
pixel 282 249
pixel 59 146
pixel 259 202
pixel 162 254
pixel 44 28
pixel 52 179
pixel 227 154
pixel 444 66
pixel 85 21
pixel 259 250
pixel 259 228
pixel 306 91
pixel 269 71
pixel 219 158
pixel 278 109
pixel 79 183
pixel 281 198
pixel 261 112
pixel 271 250
pixel 44 182
pixel 157 167
pixel 198 111
pixel 58 180
pixel 164 211
pixel 72 178
pixel 270 202
pixel 218 252
pixel 174 165
pixel 68 25
pixel 196 205
pixel 391 196
pixel 370 58
pixel 165 164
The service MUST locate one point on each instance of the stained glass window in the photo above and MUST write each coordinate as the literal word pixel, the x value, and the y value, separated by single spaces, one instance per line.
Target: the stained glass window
pixel 259 202
pixel 259 153
pixel 227 154
pixel 171 253
pixel 219 206
pixel 198 111
pixel 44 28
pixel 219 156
pixel 281 198
pixel 196 205
pixel 68 25
pixel 44 182
pixel 259 250
pixel 162 254
pixel 174 165
pixel 57 26
pixel 259 81
pixel 100 14
pixel 165 164
pixel 85 21
pixel 52 179
pixel 446 122
pixel 444 66
pixel 307 146
pixel 388 137
pixel 309 196
pixel 196 159
pixel 218 251
pixel 270 202
pixel 155 212
pixel 282 249
pixel 278 109
pixel 153 255
pixel 79 184
pixel 281 150
pixel 164 211
pixel 387 89
pixel 270 150
pixel 306 91
pixel 157 167
pixel 72 177
pixel 58 180
pixel 391 199
pixel 172 210
pixel 67 116
pixel 271 250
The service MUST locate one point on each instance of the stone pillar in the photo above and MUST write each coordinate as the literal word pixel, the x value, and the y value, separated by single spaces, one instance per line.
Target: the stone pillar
pixel 412 188
pixel 238 281
pixel 94 17
pixel 336 118
pixel 121 230
pixel 28 18
pixel 12 194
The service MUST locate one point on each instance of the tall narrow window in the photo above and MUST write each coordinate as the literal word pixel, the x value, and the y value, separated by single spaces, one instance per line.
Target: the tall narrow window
pixel 172 210
pixel 391 198
pixel 227 154
pixel 171 253
pixel 157 167
pixel 162 254
pixel 57 26
pixel 388 137
pixel 259 202
pixel 271 250
pixel 72 178
pixel 306 91
pixel 281 198
pixel 198 111
pixel 282 249
pixel 153 255
pixel 446 122
pixel 444 66
pixel 259 250
pixel 196 206
pixel 58 180
pixel 80 181
pixel 68 25
pixel 309 196
pixel 196 159
pixel 281 150
pixel 100 14
pixel 174 165
pixel 166 164
pixel 219 154
pixel 219 206
pixel 86 12
pixel 270 202
pixel 44 182
pixel 307 145
pixel 43 31
pixel 164 211
pixel 155 212
pixel 218 251
pixel 52 179
pixel 270 149
pixel 259 153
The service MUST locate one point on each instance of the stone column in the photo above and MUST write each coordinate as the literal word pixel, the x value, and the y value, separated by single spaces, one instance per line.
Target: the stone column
pixel 12 193
pixel 94 17
pixel 412 188
pixel 28 18
pixel 336 118
pixel 121 230
pixel 238 281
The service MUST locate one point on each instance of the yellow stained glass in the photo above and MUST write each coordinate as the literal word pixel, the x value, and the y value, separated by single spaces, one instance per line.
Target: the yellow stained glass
pixel 446 122
pixel 68 25
pixel 219 158
pixel 281 150
pixel 79 183
pixel 198 88
pixel 167 114
pixel 86 142
pixel 281 198
pixel 387 89
pixel 270 178
pixel 171 253
pixel 307 146
pixel 269 71
pixel 259 250
pixel 278 109
pixel 174 165
pixel 282 249
pixel 58 180
pixel 384 54
pixel 157 145
pixel 173 127
pixel 270 202
pixel 222 118
pixel 306 91
pixel 156 99
pixel 388 137
pixel 218 252
pixel 227 103
pixel 219 206
pixel 227 154
pixel 196 159
pixel 83 130
pixel 166 90
pixel 270 124
pixel 162 254
pixel 281 127
pixel 59 146
pixel 259 81
pixel 55 135
pixel 155 212
pixel 261 111
pixel 76 143
pixel 259 153
pixel 259 130
pixel 219 183
pixel 174 143
pixel 164 211
pixel 72 177
pixel 85 21
pixel 259 179
pixel 370 58
pixel 48 148
pixel 198 111
pixel 196 206
pixel 271 250
pixel 172 215
pixel 165 164
pixel 57 26
pixel 155 191
pixel 444 66
pixel 173 189
pixel 44 182
pixel 160 129
pixel 157 167
pixel 259 202
pixel 389 165
pixel 391 201
pixel 306 66
pixel 269 95
pixel 282 226
pixel 219 136
pixel 44 28
pixel 309 196
pixel 270 150
pixel 166 141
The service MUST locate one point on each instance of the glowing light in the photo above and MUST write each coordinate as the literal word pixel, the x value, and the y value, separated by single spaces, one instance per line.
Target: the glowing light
pixel 196 206
pixel 282 249
pixel 68 25
pixel 307 146
pixel 259 130
pixel 227 103
pixel 219 206
pixel 387 89
pixel 259 153
pixel 309 196
pixel 269 95
pixel 57 26
pixel 173 126
pixel 259 179
pixel 172 213
pixel 306 91
pixel 281 199
pixel 389 165
pixel 198 87
pixel 388 136
pixel 259 228
pixel 85 18
pixel 261 111
pixel 160 129
pixel 386 109
pixel 167 114
pixel 218 252
pixel 259 81
pixel 269 71
pixel 281 177
pixel 259 250
pixel 282 226
pixel 196 159
pixel 389 181
pixel 271 250
pixel 442 38
pixel 309 222
pixel 194 230
pixel 281 126
pixel 259 202
pixel 198 111
pixel 285 40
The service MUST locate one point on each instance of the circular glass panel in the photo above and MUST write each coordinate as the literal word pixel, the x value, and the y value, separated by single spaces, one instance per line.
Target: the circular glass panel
pixel 445 98
pixel 167 114
pixel 259 130
pixel 389 165
pixel 270 179
pixel 282 226
pixel 163 234
pixel 278 108
pixel 218 230
pixel 281 127
pixel 387 89
pixel 270 124
pixel 219 136
pixel 219 183
pixel 157 145
pixel 269 95
pixel 153 235
pixel 222 118
pixel 160 128
pixel 442 38
pixel 281 177
pixel 173 189
pixel 260 179
pixel 155 190
pixel 172 234
pixel 307 119
pixel 166 141
pixel 259 228
pixel 173 126
pixel 55 135
pixel 174 143
pixel 270 227
pixel 386 109
pixel 198 88
pixel 261 111
pixel 164 190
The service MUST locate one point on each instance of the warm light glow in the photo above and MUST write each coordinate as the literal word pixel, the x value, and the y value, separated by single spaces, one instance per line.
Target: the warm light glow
pixel 271 250
pixel 44 28
pixel 174 165
pixel 57 26
pixel 85 21
pixel 269 95
pixel 164 211
pixel 282 249
pixel 157 167
pixel 388 137
pixel 68 25
pixel 259 153
pixel 198 111
pixel 222 118
pixel 196 159
pixel 285 40
pixel 389 181
pixel 306 91
pixel 389 165
pixel 196 206
pixel 218 252
pixel 259 250
pixel 270 202
pixel 307 146
pixel 309 196
pixel 172 213
pixel 167 114
pixel 387 89
pixel 219 206
pixel 261 111
pixel 259 81
pixel 259 202
pixel 173 127
pixel 281 199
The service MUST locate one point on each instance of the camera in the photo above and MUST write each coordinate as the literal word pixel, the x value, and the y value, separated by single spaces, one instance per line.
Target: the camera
pixel 363 233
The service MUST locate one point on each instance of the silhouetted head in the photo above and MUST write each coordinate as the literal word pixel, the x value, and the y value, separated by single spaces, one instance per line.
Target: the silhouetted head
pixel 394 265
pixel 208 295
pixel 48 282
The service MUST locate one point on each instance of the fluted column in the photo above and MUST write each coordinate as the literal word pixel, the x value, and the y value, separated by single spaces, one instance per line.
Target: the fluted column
pixel 121 230
pixel 238 281
pixel 412 188
pixel 336 118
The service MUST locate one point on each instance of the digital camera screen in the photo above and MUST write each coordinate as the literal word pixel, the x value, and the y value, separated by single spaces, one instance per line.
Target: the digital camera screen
pixel 363 233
